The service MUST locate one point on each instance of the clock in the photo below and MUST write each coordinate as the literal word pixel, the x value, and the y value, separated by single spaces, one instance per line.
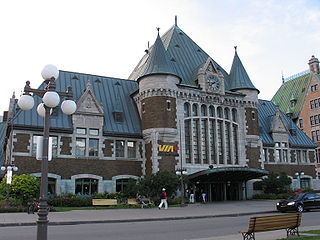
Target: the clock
pixel 213 82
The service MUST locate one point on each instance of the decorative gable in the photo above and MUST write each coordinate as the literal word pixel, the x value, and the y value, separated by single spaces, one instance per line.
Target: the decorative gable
pixel 210 79
pixel 277 124
pixel 88 104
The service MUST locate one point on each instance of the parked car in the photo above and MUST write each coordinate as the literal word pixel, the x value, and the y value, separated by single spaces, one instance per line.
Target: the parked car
pixel 300 202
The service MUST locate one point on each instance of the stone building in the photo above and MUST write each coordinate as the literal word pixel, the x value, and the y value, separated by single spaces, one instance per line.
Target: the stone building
pixel 299 98
pixel 178 109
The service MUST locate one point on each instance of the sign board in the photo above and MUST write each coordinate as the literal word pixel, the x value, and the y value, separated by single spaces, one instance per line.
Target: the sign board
pixel 169 150
pixel 40 148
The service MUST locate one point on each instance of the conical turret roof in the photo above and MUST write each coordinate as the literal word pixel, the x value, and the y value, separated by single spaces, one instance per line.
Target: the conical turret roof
pixel 239 78
pixel 158 61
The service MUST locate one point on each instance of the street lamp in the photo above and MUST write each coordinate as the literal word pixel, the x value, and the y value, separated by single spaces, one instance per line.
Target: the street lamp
pixel 299 174
pixel 50 99
pixel 182 172
pixel 9 169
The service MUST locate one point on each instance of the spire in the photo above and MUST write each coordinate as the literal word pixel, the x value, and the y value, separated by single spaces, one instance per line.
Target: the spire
pixel 239 78
pixel 158 61
pixel 176 20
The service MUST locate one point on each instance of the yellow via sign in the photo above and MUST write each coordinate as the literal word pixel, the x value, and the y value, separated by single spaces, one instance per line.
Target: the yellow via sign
pixel 167 148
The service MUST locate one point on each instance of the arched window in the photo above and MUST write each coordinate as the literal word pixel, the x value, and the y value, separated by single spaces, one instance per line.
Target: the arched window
pixel 234 115
pixel 194 110
pixel 226 113
pixel 211 111
pixel 203 110
pixel 186 110
pixel 219 111
pixel 122 184
pixel 86 186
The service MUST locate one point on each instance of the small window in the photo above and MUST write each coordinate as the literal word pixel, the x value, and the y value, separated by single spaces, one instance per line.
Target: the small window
pixel 119 148
pixel 168 105
pixel 93 147
pixel 203 110
pixel 194 110
pixel 234 115
pixel 81 131
pixel 253 115
pixel 132 149
pixel 94 132
pixel 80 146
pixel 300 123
pixel 143 107
pixel 211 111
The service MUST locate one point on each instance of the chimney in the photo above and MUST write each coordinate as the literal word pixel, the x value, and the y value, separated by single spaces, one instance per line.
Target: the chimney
pixel 314 65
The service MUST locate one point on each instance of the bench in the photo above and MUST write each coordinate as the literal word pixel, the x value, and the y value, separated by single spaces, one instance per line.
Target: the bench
pixel 145 202
pixel 104 202
pixel 290 222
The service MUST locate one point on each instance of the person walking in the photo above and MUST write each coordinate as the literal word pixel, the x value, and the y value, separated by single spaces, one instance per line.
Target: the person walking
pixel 204 197
pixel 163 198
pixel 191 197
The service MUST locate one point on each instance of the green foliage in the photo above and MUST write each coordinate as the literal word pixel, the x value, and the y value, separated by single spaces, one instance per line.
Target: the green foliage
pixel 151 186
pixel 23 187
pixel 276 183
pixel 70 200
pixel 272 196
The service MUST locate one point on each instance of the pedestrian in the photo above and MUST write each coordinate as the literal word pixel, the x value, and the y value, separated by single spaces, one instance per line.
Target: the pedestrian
pixel 203 197
pixel 191 197
pixel 163 198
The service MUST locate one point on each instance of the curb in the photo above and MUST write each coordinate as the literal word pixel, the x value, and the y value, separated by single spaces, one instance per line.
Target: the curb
pixel 132 220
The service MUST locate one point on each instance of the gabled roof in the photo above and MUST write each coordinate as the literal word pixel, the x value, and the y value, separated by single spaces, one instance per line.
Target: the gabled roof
pixel 158 61
pixel 294 89
pixel 106 92
pixel 185 55
pixel 266 112
pixel 239 78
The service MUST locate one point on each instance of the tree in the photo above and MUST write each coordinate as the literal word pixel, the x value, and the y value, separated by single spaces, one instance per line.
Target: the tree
pixel 276 183
pixel 23 187
pixel 151 186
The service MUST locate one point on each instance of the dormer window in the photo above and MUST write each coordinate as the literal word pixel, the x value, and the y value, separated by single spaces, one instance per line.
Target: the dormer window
pixel 118 117
pixel 168 105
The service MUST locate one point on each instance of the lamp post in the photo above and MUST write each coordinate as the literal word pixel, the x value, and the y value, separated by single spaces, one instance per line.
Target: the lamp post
pixel 299 174
pixel 9 168
pixel 182 172
pixel 50 99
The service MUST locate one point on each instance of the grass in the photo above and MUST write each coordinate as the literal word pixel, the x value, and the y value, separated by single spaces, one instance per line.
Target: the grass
pixel 307 238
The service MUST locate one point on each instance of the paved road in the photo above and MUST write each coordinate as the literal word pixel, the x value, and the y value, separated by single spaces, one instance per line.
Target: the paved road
pixel 191 229
pixel 198 221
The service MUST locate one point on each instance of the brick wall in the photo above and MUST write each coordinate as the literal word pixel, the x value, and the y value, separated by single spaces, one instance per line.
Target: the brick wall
pixel 68 167
pixel 253 154
pixel 156 115
pixel 66 145
pixel 22 143
pixel 291 169
pixel 252 121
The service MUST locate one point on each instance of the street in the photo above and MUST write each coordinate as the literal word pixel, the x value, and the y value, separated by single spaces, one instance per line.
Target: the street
pixel 155 230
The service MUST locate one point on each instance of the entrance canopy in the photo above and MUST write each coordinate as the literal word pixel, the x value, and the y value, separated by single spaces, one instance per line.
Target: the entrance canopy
pixel 232 174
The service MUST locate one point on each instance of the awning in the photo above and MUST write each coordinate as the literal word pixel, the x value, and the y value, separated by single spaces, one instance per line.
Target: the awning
pixel 232 174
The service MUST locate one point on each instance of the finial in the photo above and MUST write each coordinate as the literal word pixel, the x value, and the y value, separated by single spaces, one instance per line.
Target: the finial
pixel 282 77
pixel 235 48
pixel 148 44
pixel 13 95
pixel 176 20
pixel 158 29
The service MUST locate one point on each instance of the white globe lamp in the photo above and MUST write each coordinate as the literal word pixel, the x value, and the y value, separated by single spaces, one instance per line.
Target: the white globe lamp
pixel 15 168
pixel 3 168
pixel 51 99
pixel 26 102
pixel 41 110
pixel 50 71
pixel 68 107
pixel 9 168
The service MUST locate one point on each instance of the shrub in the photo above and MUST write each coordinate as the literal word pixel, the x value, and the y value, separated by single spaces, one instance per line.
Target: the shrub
pixel 70 200
pixel 23 187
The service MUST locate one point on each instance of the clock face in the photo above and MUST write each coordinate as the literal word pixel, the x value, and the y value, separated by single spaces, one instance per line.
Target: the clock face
pixel 214 82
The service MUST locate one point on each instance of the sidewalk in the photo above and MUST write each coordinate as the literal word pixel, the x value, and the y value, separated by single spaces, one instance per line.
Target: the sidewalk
pixel 219 209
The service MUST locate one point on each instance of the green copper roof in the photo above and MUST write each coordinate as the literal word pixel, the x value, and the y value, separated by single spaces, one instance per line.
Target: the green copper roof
pixel 266 112
pixel 185 55
pixel 113 94
pixel 294 90
pixel 158 61
pixel 239 78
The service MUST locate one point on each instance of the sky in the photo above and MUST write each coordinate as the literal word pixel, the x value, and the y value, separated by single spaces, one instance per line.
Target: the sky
pixel 108 38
